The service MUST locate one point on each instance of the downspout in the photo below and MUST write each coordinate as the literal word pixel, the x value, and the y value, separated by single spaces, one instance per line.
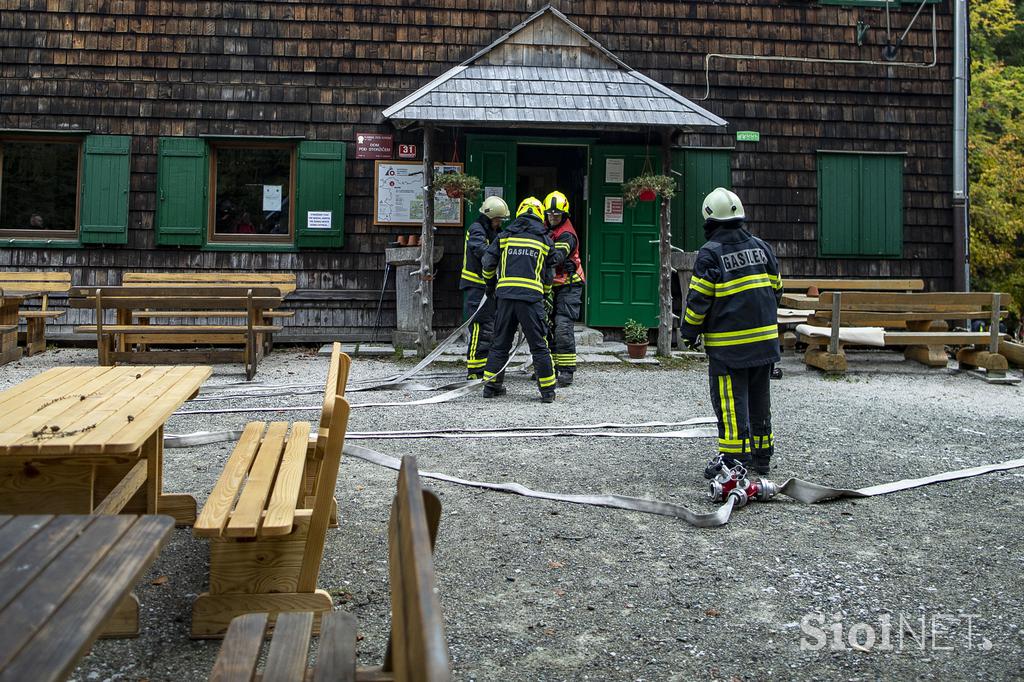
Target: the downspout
pixel 961 196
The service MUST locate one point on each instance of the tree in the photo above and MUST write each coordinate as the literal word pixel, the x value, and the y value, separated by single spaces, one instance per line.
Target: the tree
pixel 996 148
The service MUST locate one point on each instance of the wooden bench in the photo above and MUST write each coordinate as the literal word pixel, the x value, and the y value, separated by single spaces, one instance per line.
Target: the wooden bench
pixel 35 285
pixel 266 539
pixel 115 342
pixel 282 281
pixel 416 648
pixel 919 312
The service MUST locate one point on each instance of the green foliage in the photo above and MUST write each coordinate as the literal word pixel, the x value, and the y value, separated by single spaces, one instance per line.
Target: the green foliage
pixel 996 150
pixel 662 185
pixel 458 185
pixel 634 332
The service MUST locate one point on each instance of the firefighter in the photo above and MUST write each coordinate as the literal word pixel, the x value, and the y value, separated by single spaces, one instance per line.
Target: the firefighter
pixel 733 301
pixel 520 259
pixel 567 285
pixel 493 212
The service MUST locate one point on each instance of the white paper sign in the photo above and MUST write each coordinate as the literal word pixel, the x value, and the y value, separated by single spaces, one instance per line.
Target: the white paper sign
pixel 613 209
pixel 318 220
pixel 271 197
pixel 614 170
pixel 494 192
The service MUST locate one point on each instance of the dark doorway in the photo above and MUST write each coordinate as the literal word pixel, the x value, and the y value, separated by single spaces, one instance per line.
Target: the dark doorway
pixel 543 168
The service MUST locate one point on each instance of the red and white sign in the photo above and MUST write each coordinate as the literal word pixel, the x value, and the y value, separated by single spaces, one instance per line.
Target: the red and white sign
pixel 407 151
pixel 374 145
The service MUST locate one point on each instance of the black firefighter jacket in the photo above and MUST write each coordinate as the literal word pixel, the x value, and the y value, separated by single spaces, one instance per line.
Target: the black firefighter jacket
pixel 478 237
pixel 733 299
pixel 522 258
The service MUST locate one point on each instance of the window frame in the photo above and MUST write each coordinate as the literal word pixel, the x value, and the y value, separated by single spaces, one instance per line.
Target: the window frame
pixel 70 236
pixel 214 239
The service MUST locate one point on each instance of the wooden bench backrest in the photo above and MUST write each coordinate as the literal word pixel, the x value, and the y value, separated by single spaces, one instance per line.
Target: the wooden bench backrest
pixel 798 284
pixel 44 282
pixel 173 298
pixel 952 301
pixel 325 481
pixel 417 649
pixel 337 379
pixel 283 281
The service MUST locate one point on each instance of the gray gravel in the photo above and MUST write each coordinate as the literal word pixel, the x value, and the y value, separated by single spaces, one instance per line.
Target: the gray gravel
pixel 537 590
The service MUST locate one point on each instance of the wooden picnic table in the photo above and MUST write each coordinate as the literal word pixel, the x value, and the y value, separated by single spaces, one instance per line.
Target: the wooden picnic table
pixel 89 440
pixel 62 580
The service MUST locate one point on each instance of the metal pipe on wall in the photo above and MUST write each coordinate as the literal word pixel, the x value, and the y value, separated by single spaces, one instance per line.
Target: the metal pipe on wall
pixel 961 189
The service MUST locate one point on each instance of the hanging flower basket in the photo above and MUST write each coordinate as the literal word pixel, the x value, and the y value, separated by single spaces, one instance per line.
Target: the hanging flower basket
pixel 648 187
pixel 457 185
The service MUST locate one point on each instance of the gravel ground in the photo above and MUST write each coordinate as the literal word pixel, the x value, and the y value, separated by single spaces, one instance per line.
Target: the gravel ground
pixel 538 590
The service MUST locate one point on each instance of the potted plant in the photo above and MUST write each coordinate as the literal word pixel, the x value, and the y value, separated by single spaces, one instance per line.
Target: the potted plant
pixel 635 336
pixel 457 185
pixel 647 187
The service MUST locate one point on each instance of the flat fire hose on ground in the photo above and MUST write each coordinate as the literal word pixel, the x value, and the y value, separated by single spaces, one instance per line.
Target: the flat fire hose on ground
pixel 605 429
pixel 802 491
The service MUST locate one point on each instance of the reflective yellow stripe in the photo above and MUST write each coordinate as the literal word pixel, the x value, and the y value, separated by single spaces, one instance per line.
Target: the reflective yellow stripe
pixel 735 286
pixel 767 336
pixel 488 274
pixel 724 406
pixel 731 441
pixel 476 364
pixel 472 276
pixel 742 332
pixel 702 285
pixel 522 282
pixel 692 317
pixel 546 381
pixel 474 339
pixel 562 245
pixel 732 405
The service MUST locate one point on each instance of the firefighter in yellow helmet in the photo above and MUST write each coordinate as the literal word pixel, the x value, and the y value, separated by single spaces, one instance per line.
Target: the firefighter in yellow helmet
pixel 733 301
pixel 567 285
pixel 493 212
pixel 520 260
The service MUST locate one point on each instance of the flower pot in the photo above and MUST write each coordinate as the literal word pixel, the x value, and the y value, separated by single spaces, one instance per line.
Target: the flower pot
pixel 414 240
pixel 402 240
pixel 636 350
pixel 453 193
pixel 647 194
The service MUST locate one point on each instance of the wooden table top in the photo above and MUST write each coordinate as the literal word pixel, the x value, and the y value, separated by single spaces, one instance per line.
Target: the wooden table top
pixel 60 578
pixel 93 410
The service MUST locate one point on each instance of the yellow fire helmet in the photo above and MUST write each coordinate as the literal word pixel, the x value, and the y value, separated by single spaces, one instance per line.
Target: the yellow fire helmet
pixel 556 201
pixel 531 205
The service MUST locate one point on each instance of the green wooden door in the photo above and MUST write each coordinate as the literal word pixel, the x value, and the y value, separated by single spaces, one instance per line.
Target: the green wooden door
pixel 622 263
pixel 494 162
pixel 703 170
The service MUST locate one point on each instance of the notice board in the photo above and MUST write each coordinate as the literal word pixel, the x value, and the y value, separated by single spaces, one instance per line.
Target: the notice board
pixel 398 195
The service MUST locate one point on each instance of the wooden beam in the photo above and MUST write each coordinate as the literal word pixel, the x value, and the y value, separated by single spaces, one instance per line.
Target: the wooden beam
pixel 665 256
pixel 425 337
pixel 117 498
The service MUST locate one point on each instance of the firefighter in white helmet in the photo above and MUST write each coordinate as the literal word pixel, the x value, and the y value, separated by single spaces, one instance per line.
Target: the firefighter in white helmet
pixel 493 212
pixel 733 302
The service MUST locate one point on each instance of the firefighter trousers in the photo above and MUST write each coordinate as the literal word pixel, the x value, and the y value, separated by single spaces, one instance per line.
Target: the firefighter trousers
pixel 480 331
pixel 530 317
pixel 568 301
pixel 742 403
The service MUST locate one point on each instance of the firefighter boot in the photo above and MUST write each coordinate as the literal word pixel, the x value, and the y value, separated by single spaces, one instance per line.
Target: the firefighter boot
pixel 565 378
pixel 493 390
pixel 762 463
pixel 547 396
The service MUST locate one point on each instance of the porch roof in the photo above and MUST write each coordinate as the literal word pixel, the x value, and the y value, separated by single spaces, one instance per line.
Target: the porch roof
pixel 546 58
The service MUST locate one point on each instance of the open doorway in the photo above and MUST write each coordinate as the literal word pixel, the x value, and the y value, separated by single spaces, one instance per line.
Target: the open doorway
pixel 543 168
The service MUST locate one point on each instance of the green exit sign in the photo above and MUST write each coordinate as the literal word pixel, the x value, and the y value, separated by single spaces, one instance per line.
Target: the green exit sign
pixel 748 136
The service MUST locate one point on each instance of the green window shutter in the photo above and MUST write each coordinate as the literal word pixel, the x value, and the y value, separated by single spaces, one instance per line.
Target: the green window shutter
pixel 860 205
pixel 320 188
pixel 105 176
pixel 702 171
pixel 182 177
pixel 881 206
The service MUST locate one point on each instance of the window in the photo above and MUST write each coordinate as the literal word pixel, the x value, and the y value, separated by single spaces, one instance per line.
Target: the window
pixel 39 188
pixel 71 189
pixel 256 194
pixel 860 204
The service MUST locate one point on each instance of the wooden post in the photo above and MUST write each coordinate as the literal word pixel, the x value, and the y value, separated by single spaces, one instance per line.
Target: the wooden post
pixel 425 337
pixel 665 256
pixel 837 304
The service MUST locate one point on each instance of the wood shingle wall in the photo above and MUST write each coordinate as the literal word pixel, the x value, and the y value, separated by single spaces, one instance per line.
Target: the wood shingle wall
pixel 325 70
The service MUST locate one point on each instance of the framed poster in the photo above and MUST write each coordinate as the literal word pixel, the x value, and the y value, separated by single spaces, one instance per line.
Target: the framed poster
pixel 398 195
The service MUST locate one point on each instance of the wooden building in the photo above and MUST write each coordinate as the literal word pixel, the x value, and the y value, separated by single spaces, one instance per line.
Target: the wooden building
pixel 197 135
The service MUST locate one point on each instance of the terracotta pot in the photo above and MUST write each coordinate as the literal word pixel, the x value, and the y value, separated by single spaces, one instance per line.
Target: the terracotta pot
pixel 453 193
pixel 636 350
pixel 414 240
pixel 813 292
pixel 647 194
pixel 402 240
